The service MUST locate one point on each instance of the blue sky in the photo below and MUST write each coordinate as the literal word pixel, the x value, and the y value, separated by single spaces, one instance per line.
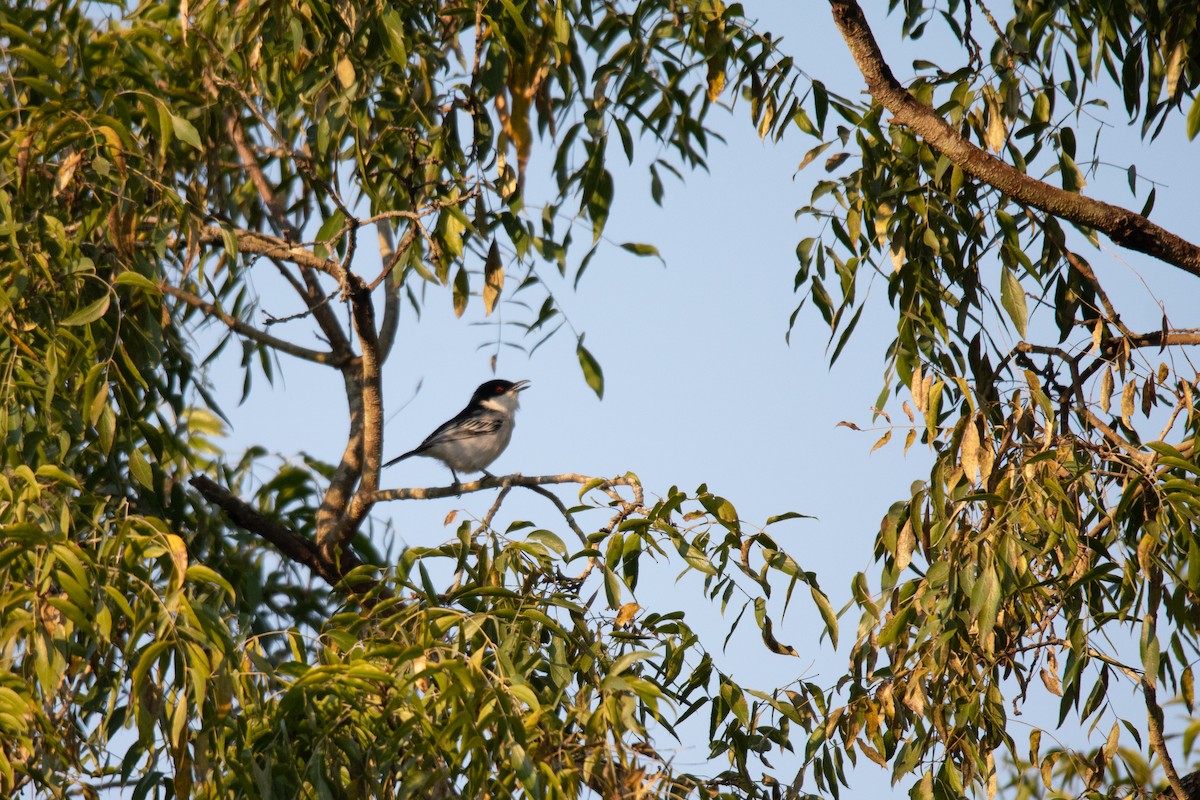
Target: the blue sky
pixel 700 385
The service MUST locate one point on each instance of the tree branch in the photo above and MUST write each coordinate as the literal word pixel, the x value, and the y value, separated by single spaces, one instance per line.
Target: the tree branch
pixel 1154 716
pixel 250 163
pixel 290 544
pixel 1124 227
pixel 249 331
pixel 370 385
pixel 497 482
pixel 273 247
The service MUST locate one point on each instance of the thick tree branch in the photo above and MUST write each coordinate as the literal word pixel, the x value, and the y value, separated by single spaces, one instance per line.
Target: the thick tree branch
pixel 273 247
pixel 244 329
pixel 341 485
pixel 363 315
pixel 1123 227
pixel 290 544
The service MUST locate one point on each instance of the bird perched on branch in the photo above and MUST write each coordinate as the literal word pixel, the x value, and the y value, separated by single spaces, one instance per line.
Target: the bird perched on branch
pixel 478 434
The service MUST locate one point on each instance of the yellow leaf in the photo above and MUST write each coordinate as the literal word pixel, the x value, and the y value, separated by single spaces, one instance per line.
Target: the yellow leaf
pixel 919 389
pixel 179 560
pixel 716 82
pixel 1128 397
pixel 345 72
pixel 625 615
pixel 997 130
pixel 904 546
pixel 66 171
pixel 1106 390
pixel 986 456
pixel 882 441
pixel 969 451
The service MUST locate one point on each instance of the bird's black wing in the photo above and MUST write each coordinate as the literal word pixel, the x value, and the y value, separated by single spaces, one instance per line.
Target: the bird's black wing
pixel 464 426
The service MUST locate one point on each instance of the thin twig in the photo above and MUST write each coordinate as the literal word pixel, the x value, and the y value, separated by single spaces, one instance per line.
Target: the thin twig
pixel 495 482
pixel 249 331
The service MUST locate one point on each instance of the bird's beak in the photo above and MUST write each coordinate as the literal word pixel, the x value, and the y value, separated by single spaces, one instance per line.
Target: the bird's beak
pixel 519 386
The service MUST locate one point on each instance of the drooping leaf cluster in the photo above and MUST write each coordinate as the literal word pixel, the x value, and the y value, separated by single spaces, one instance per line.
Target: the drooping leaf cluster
pixel 1053 551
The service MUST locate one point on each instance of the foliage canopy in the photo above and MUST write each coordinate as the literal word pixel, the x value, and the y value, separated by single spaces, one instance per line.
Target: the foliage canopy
pixel 174 628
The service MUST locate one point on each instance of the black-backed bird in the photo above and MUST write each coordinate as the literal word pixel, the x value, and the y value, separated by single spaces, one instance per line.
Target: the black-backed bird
pixel 478 434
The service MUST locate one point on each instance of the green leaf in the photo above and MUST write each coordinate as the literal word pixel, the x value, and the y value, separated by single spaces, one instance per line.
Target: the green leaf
pixel 140 469
pixel 89 313
pixel 1012 297
pixel 1193 119
pixel 624 662
pixel 591 369
pixel 695 557
pixel 186 131
pixel 640 249
pixel 461 292
pixel 56 473
pixel 788 515
pixel 393 25
pixel 828 615
pixel 551 540
pixel 137 281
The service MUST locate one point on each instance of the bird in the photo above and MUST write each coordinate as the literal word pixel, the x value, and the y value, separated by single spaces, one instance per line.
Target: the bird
pixel 478 434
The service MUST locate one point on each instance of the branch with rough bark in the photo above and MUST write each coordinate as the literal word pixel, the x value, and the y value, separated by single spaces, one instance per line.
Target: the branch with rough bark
pixel 332 563
pixel 290 544
pixel 1124 227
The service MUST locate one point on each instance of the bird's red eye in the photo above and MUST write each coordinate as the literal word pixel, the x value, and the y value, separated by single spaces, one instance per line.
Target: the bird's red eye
pixel 499 390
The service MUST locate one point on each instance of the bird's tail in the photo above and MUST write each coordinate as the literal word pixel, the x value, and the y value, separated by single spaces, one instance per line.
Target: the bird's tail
pixel 409 454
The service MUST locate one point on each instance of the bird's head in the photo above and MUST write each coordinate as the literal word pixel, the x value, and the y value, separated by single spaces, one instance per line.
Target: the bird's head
pixel 500 395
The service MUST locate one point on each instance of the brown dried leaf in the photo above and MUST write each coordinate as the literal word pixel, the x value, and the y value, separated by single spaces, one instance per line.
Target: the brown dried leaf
pixel 908 411
pixel 849 425
pixel 1051 681
pixel 871 753
pixel 625 615
pixel 773 644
